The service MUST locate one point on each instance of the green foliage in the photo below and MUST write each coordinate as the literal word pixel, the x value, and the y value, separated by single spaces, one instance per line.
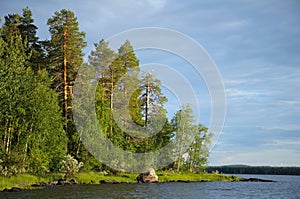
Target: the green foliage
pixel 67 42
pixel 191 141
pixel 25 180
pixel 36 118
pixel 198 151
pixel 189 176
pixel 30 117
pixel 17 25
pixel 11 166
pixel 21 181
pixel 65 56
pixel 92 164
pixel 151 99
pixel 70 166
pixel 245 169
pixel 10 27
pixel 94 178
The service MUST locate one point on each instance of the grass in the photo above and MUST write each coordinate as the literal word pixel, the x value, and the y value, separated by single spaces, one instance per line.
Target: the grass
pixel 187 176
pixel 25 180
pixel 21 181
pixel 94 178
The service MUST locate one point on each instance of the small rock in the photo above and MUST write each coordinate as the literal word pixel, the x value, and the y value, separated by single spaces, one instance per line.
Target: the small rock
pixel 42 184
pixel 73 181
pixel 53 183
pixel 36 185
pixel 185 181
pixel 14 189
pixel 63 182
pixel 147 176
pixel 108 182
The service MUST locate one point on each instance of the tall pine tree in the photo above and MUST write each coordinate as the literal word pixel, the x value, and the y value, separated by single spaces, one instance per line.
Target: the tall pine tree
pixel 103 59
pixel 16 24
pixel 28 32
pixel 65 56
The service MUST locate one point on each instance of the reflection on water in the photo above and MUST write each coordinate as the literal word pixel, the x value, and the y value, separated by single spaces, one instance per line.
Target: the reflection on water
pixel 285 187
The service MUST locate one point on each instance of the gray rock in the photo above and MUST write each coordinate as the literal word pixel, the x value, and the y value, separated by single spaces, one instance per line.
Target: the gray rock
pixel 147 176
pixel 14 189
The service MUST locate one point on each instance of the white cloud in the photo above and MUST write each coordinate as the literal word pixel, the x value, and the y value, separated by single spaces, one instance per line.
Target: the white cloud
pixel 233 82
pixel 290 102
pixel 240 93
pixel 157 3
pixel 284 143
pixel 229 25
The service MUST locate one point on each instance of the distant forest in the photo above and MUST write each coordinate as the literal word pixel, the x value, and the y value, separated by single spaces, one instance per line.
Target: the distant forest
pixel 245 169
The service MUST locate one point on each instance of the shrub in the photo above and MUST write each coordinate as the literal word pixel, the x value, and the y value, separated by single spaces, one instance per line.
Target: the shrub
pixel 70 166
pixel 11 167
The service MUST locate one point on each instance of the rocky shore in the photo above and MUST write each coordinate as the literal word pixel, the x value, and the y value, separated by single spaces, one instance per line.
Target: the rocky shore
pixel 74 182
pixel 149 176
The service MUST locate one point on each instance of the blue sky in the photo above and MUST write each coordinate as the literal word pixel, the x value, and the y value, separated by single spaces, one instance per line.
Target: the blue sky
pixel 255 45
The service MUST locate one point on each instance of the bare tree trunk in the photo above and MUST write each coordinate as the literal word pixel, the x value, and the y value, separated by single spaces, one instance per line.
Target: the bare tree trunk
pixel 78 148
pixel 111 103
pixel 147 105
pixel 178 163
pixel 8 142
pixel 8 137
pixel 191 166
pixel 5 139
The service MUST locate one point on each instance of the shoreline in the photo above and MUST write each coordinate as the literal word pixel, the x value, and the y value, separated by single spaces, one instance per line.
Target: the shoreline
pixel 28 181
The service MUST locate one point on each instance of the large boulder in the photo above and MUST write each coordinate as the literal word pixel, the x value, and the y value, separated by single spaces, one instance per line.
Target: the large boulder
pixel 147 176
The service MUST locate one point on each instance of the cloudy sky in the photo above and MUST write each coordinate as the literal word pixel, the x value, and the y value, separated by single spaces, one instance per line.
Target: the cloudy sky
pixel 255 45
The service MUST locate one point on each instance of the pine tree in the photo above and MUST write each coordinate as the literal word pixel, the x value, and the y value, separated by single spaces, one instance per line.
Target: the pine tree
pixel 103 59
pixel 16 24
pixel 28 32
pixel 128 57
pixel 110 68
pixel 10 28
pixel 27 29
pixel 151 101
pixel 152 98
pixel 131 64
pixel 65 57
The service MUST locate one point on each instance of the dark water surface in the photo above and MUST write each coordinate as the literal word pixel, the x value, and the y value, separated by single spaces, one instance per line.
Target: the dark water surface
pixel 284 187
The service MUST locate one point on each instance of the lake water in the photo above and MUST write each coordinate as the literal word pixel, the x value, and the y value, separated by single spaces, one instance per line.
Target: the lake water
pixel 284 187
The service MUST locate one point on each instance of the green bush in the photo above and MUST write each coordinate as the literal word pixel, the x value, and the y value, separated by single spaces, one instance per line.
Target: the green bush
pixel 12 166
pixel 70 166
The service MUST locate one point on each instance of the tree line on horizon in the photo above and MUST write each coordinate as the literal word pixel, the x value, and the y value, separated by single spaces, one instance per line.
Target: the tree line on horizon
pixel 37 129
pixel 262 170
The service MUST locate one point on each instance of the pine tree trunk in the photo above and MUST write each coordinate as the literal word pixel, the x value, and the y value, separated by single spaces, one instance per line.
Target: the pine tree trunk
pixel 65 77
